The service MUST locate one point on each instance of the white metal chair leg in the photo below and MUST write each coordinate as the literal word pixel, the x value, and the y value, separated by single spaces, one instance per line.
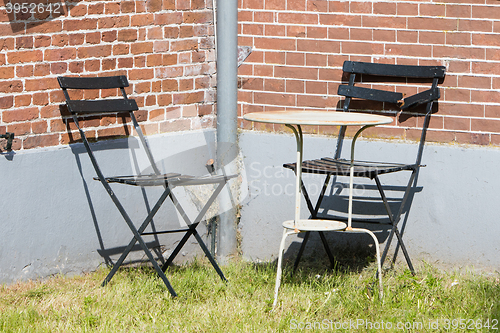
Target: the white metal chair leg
pixel 377 247
pixel 280 262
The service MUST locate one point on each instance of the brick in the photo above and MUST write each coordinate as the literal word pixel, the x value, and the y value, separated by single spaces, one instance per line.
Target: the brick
pixel 485 39
pixel 121 49
pixel 431 37
pixel 39 127
pixel 164 99
pixel 315 87
pixel 108 64
pixel 267 17
pixel 458 124
pixel 379 22
pixel 47 27
pixel 274 4
pixel 486 68
pixel 416 50
pixel 142 20
pixel 24 56
pixel 474 81
pixel 175 125
pixel 295 86
pixel 42 41
pixel 7 44
pixel 427 9
pixel 155 33
pixel 340 20
pixel 384 8
pixel 58 68
pixel 457 95
pixel 253 4
pixel 42 69
pixel 184 45
pixel 80 24
pixel 141 74
pixel 40 99
pixel 422 23
pixel 60 54
pixel 339 33
pixel 8 72
pixel 475 25
pixel 127 7
pixel 189 98
pixel 6 102
pixel 295 59
pixel 485 125
pixel 153 5
pixel 197 17
pixel 293 18
pixel 486 12
pixel 296 5
pixel 18 115
pixel 169 59
pixel 78 10
pixel 492 111
pixel 168 18
pixel 41 84
pixel 19 129
pixel 39 141
pixel 140 48
pixel 99 51
pixel 24 42
pixel 405 36
pixel 457 10
pixel 11 86
pixel 484 96
pixel 92 65
pixel 275 44
pixel 281 99
pixel 296 72
pixel 363 48
pixel 59 40
pixel 76 66
pixel 113 22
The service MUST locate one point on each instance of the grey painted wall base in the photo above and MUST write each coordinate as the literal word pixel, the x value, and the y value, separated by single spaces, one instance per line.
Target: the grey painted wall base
pixel 453 217
pixel 56 219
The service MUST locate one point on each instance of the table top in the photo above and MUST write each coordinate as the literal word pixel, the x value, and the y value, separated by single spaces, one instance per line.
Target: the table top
pixel 332 118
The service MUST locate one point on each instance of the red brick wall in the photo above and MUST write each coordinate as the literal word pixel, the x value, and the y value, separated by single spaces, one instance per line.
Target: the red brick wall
pixel 164 47
pixel 300 45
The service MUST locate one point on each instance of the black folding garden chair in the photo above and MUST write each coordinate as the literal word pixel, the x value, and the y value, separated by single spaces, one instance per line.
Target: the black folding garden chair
pixel 168 181
pixel 371 75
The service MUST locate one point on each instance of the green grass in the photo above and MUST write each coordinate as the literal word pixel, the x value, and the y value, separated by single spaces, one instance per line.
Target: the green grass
pixel 137 301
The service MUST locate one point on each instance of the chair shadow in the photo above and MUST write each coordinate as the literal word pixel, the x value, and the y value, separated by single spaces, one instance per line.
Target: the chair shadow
pixel 32 14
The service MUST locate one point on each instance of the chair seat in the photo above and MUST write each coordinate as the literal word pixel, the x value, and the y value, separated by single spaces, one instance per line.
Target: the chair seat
pixel 168 178
pixel 340 167
pixel 315 225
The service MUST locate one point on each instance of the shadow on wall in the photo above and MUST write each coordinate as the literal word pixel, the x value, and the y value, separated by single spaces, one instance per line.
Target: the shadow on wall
pixel 24 15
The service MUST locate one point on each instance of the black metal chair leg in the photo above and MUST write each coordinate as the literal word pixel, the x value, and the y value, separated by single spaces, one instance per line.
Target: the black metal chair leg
pixel 209 255
pixel 179 247
pixel 327 248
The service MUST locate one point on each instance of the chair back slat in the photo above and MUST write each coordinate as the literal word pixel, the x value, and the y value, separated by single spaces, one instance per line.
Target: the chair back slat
pixel 427 96
pixel 394 70
pixel 109 82
pixel 102 106
pixel 370 94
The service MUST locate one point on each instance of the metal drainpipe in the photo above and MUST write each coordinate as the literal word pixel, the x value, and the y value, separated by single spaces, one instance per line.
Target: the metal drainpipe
pixel 227 88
